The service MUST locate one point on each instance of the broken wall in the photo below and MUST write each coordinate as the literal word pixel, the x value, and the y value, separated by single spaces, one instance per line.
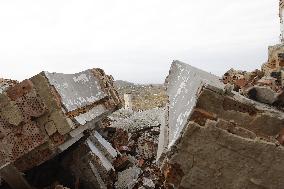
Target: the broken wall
pixel 43 116
pixel 227 140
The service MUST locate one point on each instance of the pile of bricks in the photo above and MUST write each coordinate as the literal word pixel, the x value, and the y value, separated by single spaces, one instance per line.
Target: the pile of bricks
pixel 135 137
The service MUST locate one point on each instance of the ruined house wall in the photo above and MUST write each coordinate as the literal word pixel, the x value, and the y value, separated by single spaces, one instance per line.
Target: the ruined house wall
pixel 227 140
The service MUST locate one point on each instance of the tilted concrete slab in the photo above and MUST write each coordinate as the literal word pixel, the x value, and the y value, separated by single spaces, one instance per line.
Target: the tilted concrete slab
pixel 221 139
pixel 76 90
pixel 183 84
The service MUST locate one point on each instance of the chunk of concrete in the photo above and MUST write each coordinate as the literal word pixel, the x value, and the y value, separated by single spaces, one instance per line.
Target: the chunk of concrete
pixel 128 178
pixel 45 115
pixel 227 140
pixel 76 90
pixel 262 94
pixel 183 84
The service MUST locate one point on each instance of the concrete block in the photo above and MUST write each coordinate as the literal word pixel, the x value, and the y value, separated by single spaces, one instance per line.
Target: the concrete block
pixel 76 90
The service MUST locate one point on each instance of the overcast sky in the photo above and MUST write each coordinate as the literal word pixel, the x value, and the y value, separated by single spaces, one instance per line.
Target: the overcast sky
pixel 134 40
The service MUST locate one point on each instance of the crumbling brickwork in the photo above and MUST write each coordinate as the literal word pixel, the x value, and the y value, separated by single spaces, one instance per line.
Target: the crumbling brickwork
pixel 46 114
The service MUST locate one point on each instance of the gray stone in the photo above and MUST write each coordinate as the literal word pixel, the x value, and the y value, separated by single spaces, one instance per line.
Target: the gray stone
pixel 128 178
pixel 262 94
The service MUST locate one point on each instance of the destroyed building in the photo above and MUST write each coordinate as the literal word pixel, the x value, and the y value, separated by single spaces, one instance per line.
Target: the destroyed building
pixel 70 130
pixel 55 124
pixel 55 131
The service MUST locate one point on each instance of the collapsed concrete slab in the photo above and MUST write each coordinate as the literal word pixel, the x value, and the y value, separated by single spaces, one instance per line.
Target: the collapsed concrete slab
pixel 43 116
pixel 183 85
pixel 218 138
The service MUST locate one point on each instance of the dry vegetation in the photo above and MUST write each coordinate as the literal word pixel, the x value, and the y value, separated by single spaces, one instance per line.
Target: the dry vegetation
pixel 144 97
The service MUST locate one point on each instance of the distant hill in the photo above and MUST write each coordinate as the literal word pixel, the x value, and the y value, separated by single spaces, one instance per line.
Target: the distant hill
pixel 120 83
pixel 144 96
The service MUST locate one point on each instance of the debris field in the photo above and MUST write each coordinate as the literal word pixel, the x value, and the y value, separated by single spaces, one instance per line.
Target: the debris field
pixel 197 131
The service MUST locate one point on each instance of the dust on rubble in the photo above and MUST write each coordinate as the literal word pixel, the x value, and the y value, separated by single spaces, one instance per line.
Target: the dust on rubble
pixel 135 135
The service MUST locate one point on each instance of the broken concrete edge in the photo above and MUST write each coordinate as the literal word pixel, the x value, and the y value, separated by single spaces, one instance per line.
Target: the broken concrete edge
pixel 181 77
pixel 189 81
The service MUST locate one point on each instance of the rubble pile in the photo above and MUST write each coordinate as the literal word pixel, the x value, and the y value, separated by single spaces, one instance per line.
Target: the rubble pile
pixel 197 131
pixel 135 136
pixel 55 133
pixel 68 131
pixel 265 85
